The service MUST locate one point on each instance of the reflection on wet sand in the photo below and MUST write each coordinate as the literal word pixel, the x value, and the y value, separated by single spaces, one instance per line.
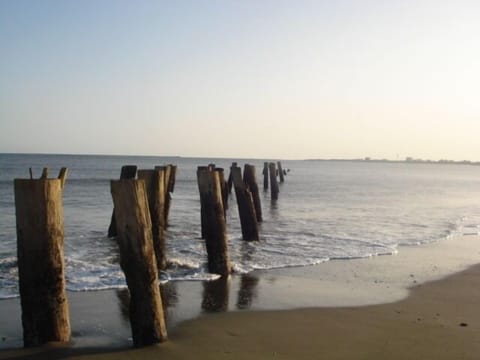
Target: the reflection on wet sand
pixel 124 304
pixel 216 295
pixel 183 300
pixel 247 292
pixel 168 292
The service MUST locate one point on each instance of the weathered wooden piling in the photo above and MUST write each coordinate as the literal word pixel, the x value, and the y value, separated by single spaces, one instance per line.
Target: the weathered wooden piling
pixel 213 221
pixel 137 260
pixel 201 169
pixel 280 171
pixel 170 176
pixel 40 242
pixel 246 208
pixel 127 172
pixel 273 181
pixel 250 179
pixel 44 173
pixel 265 176
pixel 230 180
pixel 168 197
pixel 62 176
pixel 155 187
pixel 223 186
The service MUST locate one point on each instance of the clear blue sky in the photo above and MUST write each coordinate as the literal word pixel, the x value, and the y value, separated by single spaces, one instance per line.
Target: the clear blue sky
pixel 253 78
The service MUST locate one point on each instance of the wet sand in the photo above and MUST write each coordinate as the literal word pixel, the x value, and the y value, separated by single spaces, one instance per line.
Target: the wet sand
pixel 391 307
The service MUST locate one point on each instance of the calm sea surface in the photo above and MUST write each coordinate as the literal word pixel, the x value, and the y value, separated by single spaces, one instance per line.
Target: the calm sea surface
pixel 326 210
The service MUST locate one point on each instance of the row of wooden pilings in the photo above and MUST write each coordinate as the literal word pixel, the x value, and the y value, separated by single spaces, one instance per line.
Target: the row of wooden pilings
pixel 139 220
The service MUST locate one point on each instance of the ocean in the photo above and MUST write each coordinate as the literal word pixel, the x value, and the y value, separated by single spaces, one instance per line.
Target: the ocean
pixel 326 210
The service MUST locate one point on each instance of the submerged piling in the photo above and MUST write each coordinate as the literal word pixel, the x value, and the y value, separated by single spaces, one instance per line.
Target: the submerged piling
pixel 246 208
pixel 127 172
pixel 214 227
pixel 273 182
pixel 155 187
pixel 41 269
pixel 138 262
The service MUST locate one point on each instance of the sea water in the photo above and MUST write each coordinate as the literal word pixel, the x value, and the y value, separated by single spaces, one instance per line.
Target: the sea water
pixel 326 210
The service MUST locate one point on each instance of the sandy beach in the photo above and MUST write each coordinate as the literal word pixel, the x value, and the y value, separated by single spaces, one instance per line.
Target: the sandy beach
pixel 421 303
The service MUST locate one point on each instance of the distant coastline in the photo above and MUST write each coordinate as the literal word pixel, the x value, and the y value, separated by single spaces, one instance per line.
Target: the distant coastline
pixel 408 160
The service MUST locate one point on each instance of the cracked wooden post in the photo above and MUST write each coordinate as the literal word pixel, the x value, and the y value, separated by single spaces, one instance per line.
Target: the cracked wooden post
pixel 273 181
pixel 127 172
pixel 41 273
pixel 250 179
pixel 265 176
pixel 246 209
pixel 214 226
pixel 170 176
pixel 280 171
pixel 138 262
pixel 155 186
pixel 223 186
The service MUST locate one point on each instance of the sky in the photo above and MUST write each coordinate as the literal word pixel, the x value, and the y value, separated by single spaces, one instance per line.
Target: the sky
pixel 245 79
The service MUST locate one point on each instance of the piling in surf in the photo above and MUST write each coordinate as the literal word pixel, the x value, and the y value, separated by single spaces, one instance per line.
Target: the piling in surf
pixel 155 188
pixel 214 229
pixel 265 176
pixel 138 261
pixel 127 172
pixel 273 181
pixel 41 268
pixel 250 179
pixel 246 208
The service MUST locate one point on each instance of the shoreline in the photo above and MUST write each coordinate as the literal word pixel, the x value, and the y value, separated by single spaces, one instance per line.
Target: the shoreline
pixel 100 318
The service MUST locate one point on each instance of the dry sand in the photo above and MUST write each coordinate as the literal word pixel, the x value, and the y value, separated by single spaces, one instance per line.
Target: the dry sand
pixel 359 309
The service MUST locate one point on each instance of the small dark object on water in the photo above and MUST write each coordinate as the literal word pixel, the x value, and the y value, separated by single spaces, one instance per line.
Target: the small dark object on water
pixel 463 324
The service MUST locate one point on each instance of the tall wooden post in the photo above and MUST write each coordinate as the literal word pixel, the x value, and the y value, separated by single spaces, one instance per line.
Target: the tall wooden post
pixel 155 186
pixel 201 169
pixel 250 179
pixel 168 197
pixel 170 176
pixel 230 180
pixel 265 176
pixel 213 219
pixel 223 186
pixel 137 260
pixel 273 181
pixel 246 209
pixel 280 171
pixel 40 240
pixel 127 172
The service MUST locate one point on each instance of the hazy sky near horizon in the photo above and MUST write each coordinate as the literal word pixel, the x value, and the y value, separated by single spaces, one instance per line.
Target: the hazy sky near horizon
pixel 253 78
